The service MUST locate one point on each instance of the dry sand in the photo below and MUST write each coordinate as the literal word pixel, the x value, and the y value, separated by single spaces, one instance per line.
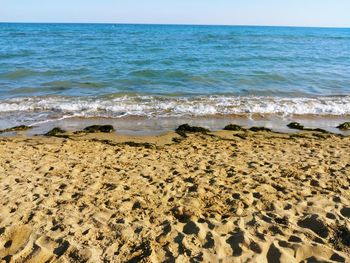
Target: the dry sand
pixel 255 197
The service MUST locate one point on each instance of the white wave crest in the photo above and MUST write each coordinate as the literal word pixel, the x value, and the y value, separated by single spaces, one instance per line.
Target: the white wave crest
pixel 152 106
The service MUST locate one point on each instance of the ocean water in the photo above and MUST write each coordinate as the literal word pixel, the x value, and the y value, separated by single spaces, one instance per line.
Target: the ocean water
pixel 50 72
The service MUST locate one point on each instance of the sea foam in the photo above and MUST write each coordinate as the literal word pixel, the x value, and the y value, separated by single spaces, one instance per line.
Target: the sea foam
pixel 160 106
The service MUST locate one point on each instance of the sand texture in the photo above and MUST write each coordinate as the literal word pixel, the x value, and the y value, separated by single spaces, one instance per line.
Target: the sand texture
pixel 222 197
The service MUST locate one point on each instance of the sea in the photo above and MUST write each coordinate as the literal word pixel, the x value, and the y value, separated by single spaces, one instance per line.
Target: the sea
pixel 150 78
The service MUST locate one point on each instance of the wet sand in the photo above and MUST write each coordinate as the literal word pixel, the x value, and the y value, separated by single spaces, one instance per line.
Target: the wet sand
pixel 217 197
pixel 140 126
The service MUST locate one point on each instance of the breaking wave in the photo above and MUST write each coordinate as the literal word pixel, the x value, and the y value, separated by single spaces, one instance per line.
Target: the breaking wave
pixel 159 106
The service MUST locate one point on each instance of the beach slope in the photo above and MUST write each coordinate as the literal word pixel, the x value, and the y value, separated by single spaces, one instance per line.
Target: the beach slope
pixel 224 196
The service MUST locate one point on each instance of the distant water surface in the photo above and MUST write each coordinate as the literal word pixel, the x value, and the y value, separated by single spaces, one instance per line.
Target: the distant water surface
pixel 55 71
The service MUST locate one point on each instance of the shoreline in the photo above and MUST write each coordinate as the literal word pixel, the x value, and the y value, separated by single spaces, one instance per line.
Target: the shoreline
pixel 144 112
pixel 138 126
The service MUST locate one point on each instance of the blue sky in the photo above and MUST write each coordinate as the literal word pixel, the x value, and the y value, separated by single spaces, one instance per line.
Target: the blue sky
pixel 333 13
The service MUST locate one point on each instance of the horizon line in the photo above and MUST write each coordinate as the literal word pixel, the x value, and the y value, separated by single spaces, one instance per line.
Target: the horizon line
pixel 174 24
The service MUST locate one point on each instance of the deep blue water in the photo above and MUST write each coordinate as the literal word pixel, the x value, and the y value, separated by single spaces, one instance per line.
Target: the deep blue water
pixel 56 70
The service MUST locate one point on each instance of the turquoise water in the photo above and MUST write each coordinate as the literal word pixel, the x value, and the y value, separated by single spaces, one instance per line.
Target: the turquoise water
pixel 54 71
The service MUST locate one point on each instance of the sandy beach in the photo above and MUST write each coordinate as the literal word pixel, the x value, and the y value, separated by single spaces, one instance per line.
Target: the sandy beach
pixel 217 197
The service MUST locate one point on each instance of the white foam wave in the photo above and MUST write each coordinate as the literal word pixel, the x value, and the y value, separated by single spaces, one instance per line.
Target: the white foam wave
pixel 151 106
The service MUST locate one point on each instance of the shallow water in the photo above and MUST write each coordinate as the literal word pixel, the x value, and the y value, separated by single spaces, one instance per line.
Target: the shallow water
pixel 58 71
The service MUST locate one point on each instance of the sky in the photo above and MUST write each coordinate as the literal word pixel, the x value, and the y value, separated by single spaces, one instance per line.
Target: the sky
pixel 315 13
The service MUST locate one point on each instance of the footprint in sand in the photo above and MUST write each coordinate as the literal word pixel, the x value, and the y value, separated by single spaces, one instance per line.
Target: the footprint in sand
pixel 13 241
pixel 234 241
pixel 315 224
pixel 345 211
